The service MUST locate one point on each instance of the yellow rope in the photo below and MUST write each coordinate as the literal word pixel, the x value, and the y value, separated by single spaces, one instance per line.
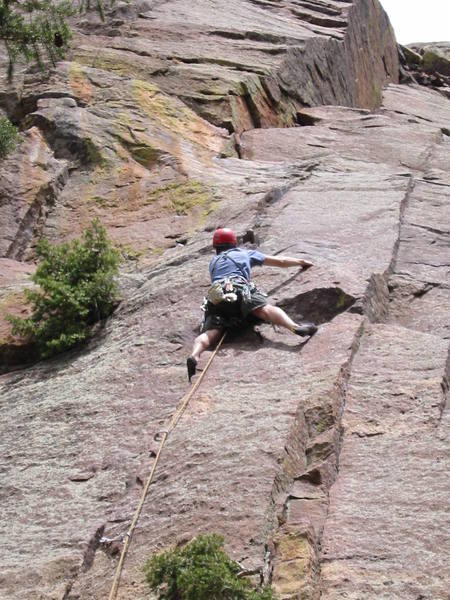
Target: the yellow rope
pixel 173 423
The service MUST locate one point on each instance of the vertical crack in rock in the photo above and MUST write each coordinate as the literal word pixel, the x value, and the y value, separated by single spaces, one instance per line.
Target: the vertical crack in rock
pixel 299 503
pixel 419 294
pixel 88 559
pixel 445 385
pixel 413 254
pixel 42 178
pixel 91 549
pixel 33 222
pixel 375 304
pixel 68 590
pixel 323 449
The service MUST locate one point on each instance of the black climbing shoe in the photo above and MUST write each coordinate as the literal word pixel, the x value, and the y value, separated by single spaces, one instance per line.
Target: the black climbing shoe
pixel 191 364
pixel 305 329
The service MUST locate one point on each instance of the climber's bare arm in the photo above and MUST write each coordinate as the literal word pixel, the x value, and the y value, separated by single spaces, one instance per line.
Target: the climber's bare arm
pixel 285 261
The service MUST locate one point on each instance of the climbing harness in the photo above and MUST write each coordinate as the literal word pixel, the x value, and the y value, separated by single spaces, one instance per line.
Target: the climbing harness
pixel 229 289
pixel 162 436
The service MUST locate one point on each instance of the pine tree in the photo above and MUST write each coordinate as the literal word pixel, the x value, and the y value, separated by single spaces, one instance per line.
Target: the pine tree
pixel 77 288
pixel 201 570
pixel 37 30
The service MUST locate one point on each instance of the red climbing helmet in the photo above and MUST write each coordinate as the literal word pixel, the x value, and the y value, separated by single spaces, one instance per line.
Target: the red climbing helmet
pixel 224 236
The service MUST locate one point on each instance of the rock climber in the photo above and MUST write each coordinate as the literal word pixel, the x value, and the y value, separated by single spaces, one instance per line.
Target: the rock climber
pixel 232 297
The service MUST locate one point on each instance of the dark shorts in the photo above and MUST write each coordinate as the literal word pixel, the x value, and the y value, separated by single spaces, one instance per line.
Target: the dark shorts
pixel 233 315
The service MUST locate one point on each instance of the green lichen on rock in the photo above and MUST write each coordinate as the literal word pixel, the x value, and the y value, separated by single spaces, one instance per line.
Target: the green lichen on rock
pixel 157 105
pixel 110 202
pixel 293 553
pixel 132 136
pixel 433 61
pixel 293 545
pixel 319 417
pixel 184 197
pixel 344 300
pixel 377 94
pixel 145 155
pixel 107 63
pixel 325 424
pixel 93 153
pixel 171 114
pixel 130 253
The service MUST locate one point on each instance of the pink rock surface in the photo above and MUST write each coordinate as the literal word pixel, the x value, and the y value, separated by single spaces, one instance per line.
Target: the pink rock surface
pixel 392 470
pixel 322 463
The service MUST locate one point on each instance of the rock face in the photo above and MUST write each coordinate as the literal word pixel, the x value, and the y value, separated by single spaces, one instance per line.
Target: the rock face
pixel 252 64
pixel 323 463
pixel 427 64
pixel 435 57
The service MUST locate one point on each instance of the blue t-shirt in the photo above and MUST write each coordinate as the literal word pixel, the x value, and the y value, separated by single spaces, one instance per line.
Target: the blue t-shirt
pixel 222 265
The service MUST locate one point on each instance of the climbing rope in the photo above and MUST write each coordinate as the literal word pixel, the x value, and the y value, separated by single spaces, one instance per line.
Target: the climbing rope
pixel 164 435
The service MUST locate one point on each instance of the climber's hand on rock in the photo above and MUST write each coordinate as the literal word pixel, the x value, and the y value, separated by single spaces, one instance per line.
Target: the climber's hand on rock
pixel 306 264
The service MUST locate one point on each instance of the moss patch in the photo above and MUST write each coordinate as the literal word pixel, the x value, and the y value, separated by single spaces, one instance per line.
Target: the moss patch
pixel 173 115
pixel 293 556
pixel 108 63
pixel 93 153
pixel 145 155
pixel 433 62
pixel 103 202
pixel 293 545
pixel 184 197
pixel 157 105
pixel 377 95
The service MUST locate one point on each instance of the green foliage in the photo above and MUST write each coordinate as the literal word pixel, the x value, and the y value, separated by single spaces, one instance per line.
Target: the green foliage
pixel 201 570
pixel 37 30
pixel 96 4
pixel 77 288
pixel 34 29
pixel 8 135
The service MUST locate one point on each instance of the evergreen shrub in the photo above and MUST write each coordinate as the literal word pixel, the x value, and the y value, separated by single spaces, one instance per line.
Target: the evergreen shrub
pixel 200 570
pixel 34 29
pixel 38 30
pixel 77 288
pixel 8 136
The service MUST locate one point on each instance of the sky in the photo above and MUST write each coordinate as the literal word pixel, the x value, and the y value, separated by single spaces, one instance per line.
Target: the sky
pixel 419 20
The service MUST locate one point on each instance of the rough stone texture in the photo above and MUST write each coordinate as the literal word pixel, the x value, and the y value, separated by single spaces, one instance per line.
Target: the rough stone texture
pixel 118 147
pixel 392 470
pixel 427 64
pixel 421 274
pixel 136 155
pixel 242 64
pixel 412 291
pixel 14 278
pixel 31 179
pixel 435 57
pixel 322 463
